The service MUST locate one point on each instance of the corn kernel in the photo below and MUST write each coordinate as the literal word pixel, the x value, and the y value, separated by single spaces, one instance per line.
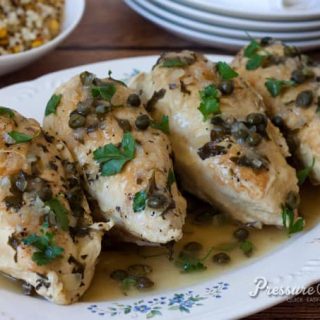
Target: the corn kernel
pixel 36 43
pixel 3 33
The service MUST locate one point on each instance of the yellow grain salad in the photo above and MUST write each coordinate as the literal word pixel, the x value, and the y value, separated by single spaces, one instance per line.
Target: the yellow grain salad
pixel 27 24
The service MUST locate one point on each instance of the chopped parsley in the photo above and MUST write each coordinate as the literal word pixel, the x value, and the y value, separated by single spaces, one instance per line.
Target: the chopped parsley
pixel 60 212
pixel 105 91
pixel 47 249
pixel 113 158
pixel 171 179
pixel 210 103
pixel 275 86
pixel 255 60
pixel 290 223
pixel 163 125
pixel 53 104
pixel 247 247
pixel 19 137
pixel 6 112
pixel 225 71
pixel 139 201
pixel 303 174
pixel 174 63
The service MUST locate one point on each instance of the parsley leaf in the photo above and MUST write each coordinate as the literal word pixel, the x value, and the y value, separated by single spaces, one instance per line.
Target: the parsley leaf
pixel 139 201
pixel 171 179
pixel 113 158
pixel 247 247
pixel 47 250
pixel 19 137
pixel 225 71
pixel 163 125
pixel 174 63
pixel 289 222
pixel 255 60
pixel 209 101
pixel 275 86
pixel 105 91
pixel 6 112
pixel 303 174
pixel 61 213
pixel 53 104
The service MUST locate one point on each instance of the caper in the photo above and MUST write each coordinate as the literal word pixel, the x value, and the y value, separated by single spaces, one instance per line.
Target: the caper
pixel 76 120
pixel 241 234
pixel 278 122
pixel 86 78
pixel 157 200
pixel 124 125
pixel 21 182
pixel 139 270
pixel 217 120
pixel 144 283
pixel 266 41
pixel 226 87
pixel 203 218
pixel 103 107
pixel 290 51
pixel 14 202
pixel 119 274
pixel 256 119
pixel 45 193
pixel 83 108
pixel 298 76
pixel 192 247
pixel 142 122
pixel 134 100
pixel 253 139
pixel 304 99
pixel 240 131
pixel 292 200
pixel 221 258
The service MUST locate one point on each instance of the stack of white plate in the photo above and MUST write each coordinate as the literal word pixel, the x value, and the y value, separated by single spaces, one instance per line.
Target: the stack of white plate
pixel 230 23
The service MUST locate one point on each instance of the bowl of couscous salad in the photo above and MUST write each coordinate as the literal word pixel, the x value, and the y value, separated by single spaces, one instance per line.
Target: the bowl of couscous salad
pixel 31 28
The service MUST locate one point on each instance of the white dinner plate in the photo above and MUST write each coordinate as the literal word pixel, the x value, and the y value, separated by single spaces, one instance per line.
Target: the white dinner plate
pixel 206 16
pixel 203 37
pixel 295 263
pixel 262 9
pixel 223 31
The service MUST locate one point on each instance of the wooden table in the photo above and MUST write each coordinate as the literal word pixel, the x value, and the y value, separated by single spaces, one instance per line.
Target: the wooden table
pixel 110 30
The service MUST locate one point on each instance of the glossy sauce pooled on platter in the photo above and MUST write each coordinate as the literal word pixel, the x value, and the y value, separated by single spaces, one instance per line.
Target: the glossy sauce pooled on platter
pixel 216 235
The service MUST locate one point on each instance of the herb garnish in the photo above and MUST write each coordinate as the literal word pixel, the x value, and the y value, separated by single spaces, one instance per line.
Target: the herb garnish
pixel 139 201
pixel 19 137
pixel 113 158
pixel 163 125
pixel 174 63
pixel 53 104
pixel 303 174
pixel 290 223
pixel 6 112
pixel 47 250
pixel 247 247
pixel 275 86
pixel 105 91
pixel 255 60
pixel 61 213
pixel 225 71
pixel 210 103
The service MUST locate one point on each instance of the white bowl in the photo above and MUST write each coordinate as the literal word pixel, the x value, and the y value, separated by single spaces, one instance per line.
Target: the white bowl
pixel 73 13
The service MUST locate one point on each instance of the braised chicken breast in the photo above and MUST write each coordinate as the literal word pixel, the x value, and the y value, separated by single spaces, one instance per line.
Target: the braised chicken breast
pixel 124 157
pixel 47 236
pixel 226 150
pixel 286 80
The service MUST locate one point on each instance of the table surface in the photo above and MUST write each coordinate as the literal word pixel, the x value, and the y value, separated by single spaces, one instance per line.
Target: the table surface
pixel 110 30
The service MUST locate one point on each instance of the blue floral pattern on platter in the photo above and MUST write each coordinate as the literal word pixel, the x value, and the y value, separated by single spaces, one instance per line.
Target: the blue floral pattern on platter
pixel 182 302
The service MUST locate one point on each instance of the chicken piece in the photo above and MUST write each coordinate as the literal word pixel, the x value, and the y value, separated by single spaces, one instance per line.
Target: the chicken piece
pixel 286 80
pixel 125 159
pixel 47 236
pixel 226 151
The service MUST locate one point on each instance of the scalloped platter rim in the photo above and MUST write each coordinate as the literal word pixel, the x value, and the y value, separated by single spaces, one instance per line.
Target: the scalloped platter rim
pixel 296 263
